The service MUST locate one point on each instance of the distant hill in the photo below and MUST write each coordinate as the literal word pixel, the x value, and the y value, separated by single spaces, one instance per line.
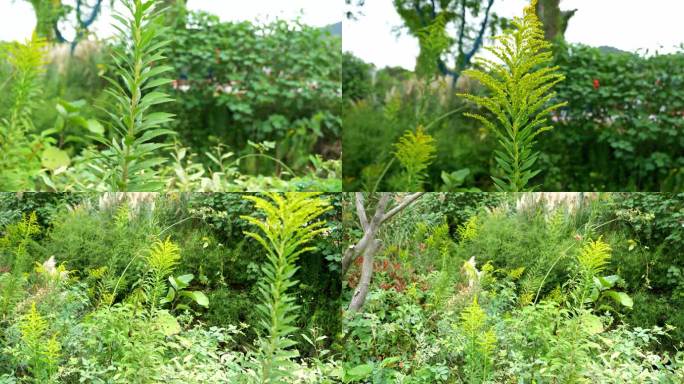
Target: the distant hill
pixel 334 29
pixel 607 49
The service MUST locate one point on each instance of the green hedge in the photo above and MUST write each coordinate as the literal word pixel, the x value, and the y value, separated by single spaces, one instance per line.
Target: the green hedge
pixel 274 82
pixel 624 123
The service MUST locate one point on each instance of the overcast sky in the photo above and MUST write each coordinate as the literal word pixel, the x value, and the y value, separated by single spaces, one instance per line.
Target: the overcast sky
pixel 625 24
pixel 17 19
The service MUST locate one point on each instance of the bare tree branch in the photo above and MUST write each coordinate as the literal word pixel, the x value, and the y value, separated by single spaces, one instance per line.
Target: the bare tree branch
pixel 361 291
pixel 361 210
pixel 368 245
pixel 403 204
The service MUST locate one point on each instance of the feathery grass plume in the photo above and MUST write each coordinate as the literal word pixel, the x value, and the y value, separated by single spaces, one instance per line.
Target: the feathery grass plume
pixel 18 160
pixel 161 261
pixel 519 83
pixel 480 342
pixel 133 152
pixel 289 223
pixel 415 152
pixel 40 353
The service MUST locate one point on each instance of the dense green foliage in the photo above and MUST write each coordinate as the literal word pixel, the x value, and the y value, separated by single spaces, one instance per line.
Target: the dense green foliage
pixel 373 126
pixel 278 82
pixel 534 288
pixel 257 108
pixel 620 129
pixel 356 77
pixel 627 128
pixel 149 288
pixel 653 236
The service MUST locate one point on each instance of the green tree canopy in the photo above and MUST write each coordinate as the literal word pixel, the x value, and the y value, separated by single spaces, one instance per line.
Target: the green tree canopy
pixel 470 19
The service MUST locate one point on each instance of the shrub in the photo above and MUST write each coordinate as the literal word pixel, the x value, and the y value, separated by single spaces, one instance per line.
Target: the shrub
pixel 356 78
pixel 278 82
pixel 627 126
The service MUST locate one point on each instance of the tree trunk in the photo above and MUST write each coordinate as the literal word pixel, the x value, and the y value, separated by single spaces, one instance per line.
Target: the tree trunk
pixel 555 21
pixel 176 12
pixel 368 245
pixel 361 290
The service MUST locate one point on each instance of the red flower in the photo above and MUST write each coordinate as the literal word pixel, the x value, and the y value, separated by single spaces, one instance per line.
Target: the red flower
pixel 596 84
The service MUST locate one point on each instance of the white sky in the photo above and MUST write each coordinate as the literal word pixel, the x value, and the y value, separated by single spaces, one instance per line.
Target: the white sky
pixel 17 18
pixel 625 24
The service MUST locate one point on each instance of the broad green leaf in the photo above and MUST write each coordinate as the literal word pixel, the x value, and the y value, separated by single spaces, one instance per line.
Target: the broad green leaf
pixel 198 297
pixel 167 323
pixel 95 127
pixel 54 158
pixel 592 324
pixel 360 372
pixel 170 296
pixel 621 298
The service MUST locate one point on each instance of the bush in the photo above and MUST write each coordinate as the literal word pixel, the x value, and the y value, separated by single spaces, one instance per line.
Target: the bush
pixel 277 82
pixel 356 78
pixel 650 245
pixel 624 134
pixel 626 131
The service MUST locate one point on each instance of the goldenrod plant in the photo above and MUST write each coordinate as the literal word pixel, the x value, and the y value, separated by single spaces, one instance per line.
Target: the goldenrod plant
pixel 287 224
pixel 39 351
pixel 19 157
pixel 480 343
pixel 433 42
pixel 14 257
pixel 591 261
pixel 162 259
pixel 469 230
pixel 15 241
pixel 134 153
pixel 520 101
pixel 415 152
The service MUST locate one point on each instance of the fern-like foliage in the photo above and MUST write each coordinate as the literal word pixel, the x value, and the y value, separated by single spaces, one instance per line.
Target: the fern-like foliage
pixel 40 352
pixel 594 257
pixel 480 343
pixel 134 154
pixel 14 256
pixel 287 224
pixel 519 83
pixel 469 230
pixel 18 160
pixel 162 259
pixel 415 152
pixel 592 261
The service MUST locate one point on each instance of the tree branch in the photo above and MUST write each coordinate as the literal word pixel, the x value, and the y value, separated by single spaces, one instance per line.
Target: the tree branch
pixel 368 245
pixel 361 210
pixel 404 203
pixel 480 35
